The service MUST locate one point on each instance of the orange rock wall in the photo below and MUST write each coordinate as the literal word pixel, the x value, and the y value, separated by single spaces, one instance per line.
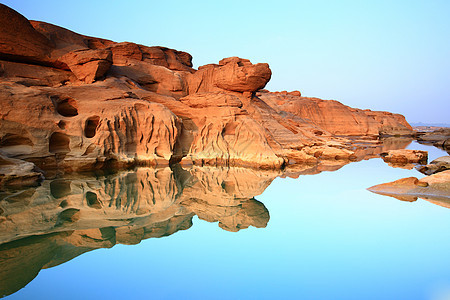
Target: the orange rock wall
pixel 338 118
pixel 75 102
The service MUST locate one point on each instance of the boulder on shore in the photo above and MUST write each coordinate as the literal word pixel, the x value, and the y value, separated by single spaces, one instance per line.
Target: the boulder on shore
pixel 405 156
pixel 440 137
pixel 435 188
pixel 438 165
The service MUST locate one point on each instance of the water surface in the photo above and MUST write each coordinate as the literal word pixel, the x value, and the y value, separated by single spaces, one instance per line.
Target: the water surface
pixel 208 233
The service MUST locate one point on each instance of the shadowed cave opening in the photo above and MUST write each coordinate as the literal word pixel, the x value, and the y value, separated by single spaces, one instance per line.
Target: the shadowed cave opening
pixel 318 132
pixel 59 143
pixel 69 215
pixel 90 126
pixel 66 107
pixel 92 200
pixel 13 144
pixel 60 188
pixel 10 139
pixel 62 124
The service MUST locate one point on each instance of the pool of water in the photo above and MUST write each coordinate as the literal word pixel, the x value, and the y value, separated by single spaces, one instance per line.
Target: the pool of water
pixel 320 236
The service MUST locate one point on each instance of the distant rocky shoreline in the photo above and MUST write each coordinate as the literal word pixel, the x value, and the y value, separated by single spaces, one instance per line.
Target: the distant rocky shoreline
pixel 431 135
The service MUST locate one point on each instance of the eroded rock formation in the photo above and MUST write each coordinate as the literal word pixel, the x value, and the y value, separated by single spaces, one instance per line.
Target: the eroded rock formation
pixel 438 165
pixel 231 74
pixel 405 156
pixel 337 118
pixel 72 102
pixel 16 172
pixel 434 188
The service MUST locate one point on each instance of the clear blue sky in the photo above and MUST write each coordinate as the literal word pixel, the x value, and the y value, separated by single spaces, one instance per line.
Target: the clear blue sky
pixel 381 55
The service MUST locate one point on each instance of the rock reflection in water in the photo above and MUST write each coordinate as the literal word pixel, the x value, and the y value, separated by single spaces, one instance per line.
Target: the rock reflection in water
pixel 45 226
pixel 51 224
pixel 364 149
pixel 434 189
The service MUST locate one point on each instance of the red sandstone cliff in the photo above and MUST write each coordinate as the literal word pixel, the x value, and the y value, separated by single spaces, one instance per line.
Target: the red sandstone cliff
pixel 74 102
pixel 337 118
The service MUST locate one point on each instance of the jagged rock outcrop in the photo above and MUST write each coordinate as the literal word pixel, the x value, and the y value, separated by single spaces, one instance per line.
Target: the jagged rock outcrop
pixel 88 65
pixel 153 78
pixel 75 102
pixel 225 133
pixel 231 74
pixel 19 41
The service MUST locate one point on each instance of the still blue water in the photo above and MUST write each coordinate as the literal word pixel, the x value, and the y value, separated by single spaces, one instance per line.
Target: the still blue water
pixel 327 238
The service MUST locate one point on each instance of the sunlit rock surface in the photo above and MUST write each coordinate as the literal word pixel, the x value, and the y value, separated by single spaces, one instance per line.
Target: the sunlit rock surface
pixel 84 134
pixel 405 158
pixel 20 41
pixel 434 188
pixel 337 118
pixel 231 74
pixel 72 102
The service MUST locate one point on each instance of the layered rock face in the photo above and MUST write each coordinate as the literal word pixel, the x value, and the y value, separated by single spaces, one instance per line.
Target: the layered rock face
pixel 20 41
pixel 337 118
pixel 72 102
pixel 80 135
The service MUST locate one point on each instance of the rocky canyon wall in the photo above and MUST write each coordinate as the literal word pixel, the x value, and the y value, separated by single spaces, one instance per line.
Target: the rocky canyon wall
pixel 72 102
